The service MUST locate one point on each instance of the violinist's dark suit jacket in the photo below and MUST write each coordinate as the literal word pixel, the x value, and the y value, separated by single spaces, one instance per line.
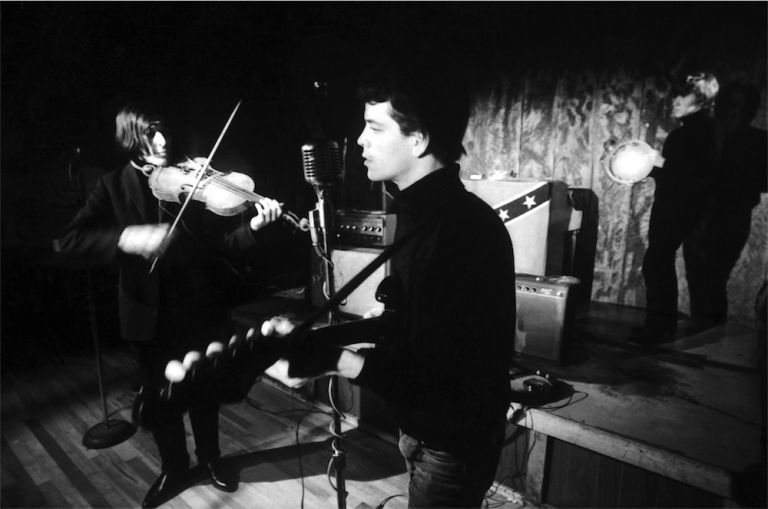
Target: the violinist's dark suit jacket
pixel 184 293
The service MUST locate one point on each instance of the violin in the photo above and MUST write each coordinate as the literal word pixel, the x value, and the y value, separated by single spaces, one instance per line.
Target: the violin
pixel 224 193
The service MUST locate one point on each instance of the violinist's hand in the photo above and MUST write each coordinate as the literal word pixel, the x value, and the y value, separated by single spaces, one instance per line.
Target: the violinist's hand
pixel 268 210
pixel 143 240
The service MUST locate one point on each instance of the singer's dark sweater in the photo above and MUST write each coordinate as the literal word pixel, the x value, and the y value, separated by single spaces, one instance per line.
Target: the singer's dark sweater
pixel 445 369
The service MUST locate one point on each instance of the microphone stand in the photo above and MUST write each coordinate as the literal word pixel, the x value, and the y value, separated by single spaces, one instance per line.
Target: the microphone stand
pixel 320 221
pixel 108 432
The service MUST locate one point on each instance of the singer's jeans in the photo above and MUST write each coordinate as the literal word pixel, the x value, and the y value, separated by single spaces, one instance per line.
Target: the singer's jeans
pixel 170 437
pixel 443 479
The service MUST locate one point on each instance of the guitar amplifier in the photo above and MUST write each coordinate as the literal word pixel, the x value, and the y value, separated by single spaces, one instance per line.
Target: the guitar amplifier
pixel 364 228
pixel 347 262
pixel 542 315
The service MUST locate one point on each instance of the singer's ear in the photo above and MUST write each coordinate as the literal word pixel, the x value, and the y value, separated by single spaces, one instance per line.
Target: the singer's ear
pixel 420 143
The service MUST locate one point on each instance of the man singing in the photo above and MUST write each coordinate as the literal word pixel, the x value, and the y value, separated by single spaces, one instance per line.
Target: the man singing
pixel 445 362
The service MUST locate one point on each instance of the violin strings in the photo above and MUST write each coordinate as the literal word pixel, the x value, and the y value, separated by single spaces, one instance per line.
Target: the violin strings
pixel 236 189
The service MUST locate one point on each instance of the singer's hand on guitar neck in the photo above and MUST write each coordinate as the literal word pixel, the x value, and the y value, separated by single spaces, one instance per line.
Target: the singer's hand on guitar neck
pixel 311 362
pixel 279 326
pixel 268 211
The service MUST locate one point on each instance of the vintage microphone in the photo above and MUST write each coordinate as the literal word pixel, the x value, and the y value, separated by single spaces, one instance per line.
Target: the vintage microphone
pixel 321 160
pixel 323 168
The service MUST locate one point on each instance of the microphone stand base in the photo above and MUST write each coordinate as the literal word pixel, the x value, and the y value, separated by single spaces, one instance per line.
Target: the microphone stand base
pixel 108 433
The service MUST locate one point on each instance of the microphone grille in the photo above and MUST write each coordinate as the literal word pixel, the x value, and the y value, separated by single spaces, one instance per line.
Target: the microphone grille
pixel 322 163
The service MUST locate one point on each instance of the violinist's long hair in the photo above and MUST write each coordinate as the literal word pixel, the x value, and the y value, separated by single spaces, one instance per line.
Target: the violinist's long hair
pixel 135 125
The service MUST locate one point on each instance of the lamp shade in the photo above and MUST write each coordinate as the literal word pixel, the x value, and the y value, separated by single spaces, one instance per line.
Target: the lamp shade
pixel 629 162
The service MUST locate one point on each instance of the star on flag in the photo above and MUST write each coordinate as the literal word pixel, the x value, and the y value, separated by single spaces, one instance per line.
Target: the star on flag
pixel 529 202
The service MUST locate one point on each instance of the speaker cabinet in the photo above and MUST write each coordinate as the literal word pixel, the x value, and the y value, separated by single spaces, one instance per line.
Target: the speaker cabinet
pixel 524 207
pixel 542 316
pixel 537 214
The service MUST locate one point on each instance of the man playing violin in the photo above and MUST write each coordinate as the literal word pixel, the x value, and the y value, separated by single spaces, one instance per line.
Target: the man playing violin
pixel 180 304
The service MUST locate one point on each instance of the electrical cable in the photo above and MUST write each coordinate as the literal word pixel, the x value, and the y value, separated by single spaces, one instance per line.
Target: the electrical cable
pixel 306 413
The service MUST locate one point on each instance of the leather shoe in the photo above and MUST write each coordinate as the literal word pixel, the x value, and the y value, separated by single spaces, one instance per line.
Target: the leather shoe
pixel 167 486
pixel 220 478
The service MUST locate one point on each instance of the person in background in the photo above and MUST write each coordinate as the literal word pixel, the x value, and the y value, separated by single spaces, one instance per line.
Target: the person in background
pixel 741 178
pixel 444 365
pixel 181 304
pixel 685 175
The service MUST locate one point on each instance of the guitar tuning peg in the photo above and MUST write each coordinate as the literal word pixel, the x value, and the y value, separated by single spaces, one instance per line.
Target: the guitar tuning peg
pixel 191 363
pixel 251 332
pixel 174 373
pixel 214 349
pixel 191 359
pixel 234 340
pixel 214 352
pixel 234 349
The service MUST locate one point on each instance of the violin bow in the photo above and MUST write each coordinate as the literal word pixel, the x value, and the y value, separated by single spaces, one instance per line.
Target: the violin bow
pixel 207 163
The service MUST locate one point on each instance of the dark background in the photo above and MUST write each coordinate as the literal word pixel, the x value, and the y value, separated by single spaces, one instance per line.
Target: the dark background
pixel 67 67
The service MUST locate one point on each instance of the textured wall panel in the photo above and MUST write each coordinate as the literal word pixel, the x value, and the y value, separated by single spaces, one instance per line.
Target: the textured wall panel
pixel 572 151
pixel 750 271
pixel 617 117
pixel 537 147
pixel 492 140
pixel 653 129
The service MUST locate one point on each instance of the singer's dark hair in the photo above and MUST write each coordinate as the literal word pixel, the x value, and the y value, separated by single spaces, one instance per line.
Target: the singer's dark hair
pixel 427 95
pixel 135 125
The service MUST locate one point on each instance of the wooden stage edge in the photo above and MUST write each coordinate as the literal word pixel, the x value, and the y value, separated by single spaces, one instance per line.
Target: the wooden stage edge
pixel 692 410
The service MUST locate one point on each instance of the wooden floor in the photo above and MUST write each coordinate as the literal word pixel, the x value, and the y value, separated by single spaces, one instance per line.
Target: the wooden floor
pixel 49 404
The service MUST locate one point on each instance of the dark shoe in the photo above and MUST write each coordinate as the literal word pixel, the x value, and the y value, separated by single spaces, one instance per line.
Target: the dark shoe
pixel 167 486
pixel 220 478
